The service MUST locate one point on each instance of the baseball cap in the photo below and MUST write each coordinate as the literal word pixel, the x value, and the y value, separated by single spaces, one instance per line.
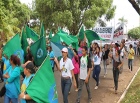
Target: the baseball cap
pixel 65 50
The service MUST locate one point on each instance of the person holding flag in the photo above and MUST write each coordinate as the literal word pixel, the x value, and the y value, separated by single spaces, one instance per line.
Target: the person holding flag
pixel 6 62
pixel 29 73
pixel 66 67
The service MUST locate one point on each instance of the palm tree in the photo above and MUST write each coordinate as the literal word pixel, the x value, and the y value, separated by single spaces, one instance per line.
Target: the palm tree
pixel 122 20
pixel 135 4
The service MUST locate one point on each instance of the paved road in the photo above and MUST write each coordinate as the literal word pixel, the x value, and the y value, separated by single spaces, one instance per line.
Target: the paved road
pixel 105 93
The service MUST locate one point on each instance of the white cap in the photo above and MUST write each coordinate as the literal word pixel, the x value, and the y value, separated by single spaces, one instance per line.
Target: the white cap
pixel 65 50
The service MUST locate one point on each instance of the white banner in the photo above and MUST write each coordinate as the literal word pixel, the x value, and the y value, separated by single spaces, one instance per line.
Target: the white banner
pixel 105 32
pixel 118 33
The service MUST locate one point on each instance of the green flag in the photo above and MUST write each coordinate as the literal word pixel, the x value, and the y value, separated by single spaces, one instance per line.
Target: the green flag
pixel 42 88
pixel 50 35
pixel 42 31
pixel 91 35
pixel 31 34
pixel 81 34
pixel 38 50
pixel 24 42
pixel 13 46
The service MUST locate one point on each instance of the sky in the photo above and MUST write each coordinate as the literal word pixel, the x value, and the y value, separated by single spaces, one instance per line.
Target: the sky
pixel 124 9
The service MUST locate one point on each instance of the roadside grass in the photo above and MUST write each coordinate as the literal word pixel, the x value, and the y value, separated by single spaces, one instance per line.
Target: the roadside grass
pixel 133 93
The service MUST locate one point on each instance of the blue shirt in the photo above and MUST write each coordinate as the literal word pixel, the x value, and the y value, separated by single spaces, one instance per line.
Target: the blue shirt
pixel 52 56
pixel 6 64
pixel 13 82
pixel 24 85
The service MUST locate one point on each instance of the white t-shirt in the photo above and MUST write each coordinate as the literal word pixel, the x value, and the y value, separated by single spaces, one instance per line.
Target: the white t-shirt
pixel 97 59
pixel 66 67
pixel 83 68
pixel 122 51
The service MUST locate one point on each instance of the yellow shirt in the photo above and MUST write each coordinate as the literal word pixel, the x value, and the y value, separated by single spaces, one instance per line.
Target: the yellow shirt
pixel 131 54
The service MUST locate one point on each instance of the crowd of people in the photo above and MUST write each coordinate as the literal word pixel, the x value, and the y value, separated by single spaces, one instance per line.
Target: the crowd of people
pixel 86 62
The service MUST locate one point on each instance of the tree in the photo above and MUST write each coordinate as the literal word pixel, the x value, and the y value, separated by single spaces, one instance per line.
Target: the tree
pixel 72 14
pixel 134 33
pixel 13 15
pixel 123 21
pixel 135 4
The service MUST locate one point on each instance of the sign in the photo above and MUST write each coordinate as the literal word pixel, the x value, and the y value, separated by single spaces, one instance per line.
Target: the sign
pixel 118 33
pixel 104 32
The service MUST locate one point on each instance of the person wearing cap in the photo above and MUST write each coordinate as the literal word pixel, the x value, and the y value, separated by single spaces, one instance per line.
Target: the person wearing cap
pixel 12 76
pixel 66 67
pixel 29 73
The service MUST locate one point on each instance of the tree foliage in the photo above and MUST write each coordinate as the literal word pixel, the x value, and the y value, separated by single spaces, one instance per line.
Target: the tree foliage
pixel 72 14
pixel 13 15
pixel 122 20
pixel 134 33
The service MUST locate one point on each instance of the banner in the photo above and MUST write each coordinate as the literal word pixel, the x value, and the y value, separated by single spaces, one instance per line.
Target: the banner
pixel 118 33
pixel 104 32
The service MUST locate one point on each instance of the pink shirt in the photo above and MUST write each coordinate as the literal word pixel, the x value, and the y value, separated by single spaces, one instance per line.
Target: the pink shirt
pixel 76 69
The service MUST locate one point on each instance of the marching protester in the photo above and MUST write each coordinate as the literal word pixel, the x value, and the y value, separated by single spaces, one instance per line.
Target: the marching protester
pixel 29 73
pixel 117 63
pixel 84 76
pixel 12 83
pixel 75 61
pixel 96 69
pixel 6 62
pixel 131 54
pixel 105 53
pixel 66 67
pixel 51 54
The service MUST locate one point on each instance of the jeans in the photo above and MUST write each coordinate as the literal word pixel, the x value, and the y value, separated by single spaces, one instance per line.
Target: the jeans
pixel 105 66
pixel 81 83
pixel 135 49
pixel 130 61
pixel 65 86
pixel 96 72
pixel 10 100
pixel 116 77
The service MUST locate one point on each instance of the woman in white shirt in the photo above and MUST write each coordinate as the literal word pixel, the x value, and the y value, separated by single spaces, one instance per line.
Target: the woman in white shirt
pixel 66 68
pixel 97 68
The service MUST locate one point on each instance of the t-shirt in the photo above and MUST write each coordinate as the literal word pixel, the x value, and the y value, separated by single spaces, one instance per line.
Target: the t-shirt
pixel 66 67
pixel 6 64
pixel 131 53
pixel 24 85
pixel 97 59
pixel 122 51
pixel 85 64
pixel 13 82
pixel 75 61
pixel 116 61
pixel 52 56
pixel 105 54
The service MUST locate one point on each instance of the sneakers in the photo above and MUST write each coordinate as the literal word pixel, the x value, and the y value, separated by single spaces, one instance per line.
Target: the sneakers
pixel 96 87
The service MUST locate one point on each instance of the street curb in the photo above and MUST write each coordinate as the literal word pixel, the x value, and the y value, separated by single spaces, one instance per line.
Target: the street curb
pixel 124 93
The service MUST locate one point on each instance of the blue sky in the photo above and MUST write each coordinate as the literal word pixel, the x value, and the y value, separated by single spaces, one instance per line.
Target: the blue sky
pixel 124 9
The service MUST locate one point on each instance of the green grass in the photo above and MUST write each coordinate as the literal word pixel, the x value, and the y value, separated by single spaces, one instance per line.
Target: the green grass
pixel 133 93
